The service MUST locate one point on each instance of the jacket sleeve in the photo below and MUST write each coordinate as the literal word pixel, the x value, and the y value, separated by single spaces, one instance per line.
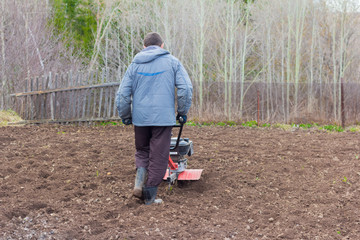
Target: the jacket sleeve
pixel 123 96
pixel 184 90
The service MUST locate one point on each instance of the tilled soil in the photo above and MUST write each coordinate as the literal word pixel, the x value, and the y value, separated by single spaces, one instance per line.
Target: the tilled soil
pixel 68 182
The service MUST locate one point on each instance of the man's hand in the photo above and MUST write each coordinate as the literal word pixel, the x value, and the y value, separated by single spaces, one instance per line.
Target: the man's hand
pixel 182 118
pixel 127 121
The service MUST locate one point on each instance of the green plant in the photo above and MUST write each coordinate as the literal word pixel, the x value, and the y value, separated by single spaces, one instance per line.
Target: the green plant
pixel 266 125
pixel 221 124
pixel 109 123
pixel 227 123
pixel 252 123
pixel 97 173
pixel 231 123
pixel 345 180
pixel 190 123
pixel 332 128
pixel 306 126
pixel 208 123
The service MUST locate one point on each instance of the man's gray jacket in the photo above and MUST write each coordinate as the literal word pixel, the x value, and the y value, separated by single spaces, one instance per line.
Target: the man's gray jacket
pixel 149 88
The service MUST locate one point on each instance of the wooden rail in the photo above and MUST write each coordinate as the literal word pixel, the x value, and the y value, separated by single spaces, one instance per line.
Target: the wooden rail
pixel 66 121
pixel 63 89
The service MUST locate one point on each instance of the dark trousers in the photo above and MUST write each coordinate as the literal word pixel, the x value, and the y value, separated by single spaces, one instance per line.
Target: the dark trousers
pixel 152 151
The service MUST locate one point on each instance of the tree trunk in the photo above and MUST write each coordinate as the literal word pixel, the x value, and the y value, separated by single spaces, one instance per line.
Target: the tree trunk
pixel 4 86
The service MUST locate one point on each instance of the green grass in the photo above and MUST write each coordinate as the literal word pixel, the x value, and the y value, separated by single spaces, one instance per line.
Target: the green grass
pixel 112 123
pixel 250 124
pixel 7 116
pixel 201 124
pixel 304 125
pixel 285 127
pixel 191 123
pixel 354 129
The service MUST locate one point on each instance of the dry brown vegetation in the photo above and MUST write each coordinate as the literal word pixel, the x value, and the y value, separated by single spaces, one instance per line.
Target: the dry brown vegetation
pixel 295 54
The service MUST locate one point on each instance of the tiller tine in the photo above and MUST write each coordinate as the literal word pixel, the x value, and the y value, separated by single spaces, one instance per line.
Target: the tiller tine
pixel 190 174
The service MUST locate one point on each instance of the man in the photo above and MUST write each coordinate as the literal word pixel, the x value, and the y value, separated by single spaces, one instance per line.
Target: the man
pixel 146 99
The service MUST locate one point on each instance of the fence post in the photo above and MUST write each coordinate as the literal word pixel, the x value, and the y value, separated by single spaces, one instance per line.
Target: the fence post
pixel 85 81
pixel 101 93
pixel 258 107
pixel 52 95
pixel 24 109
pixel 90 80
pixel 38 100
pixel 95 91
pixel 342 104
pixel 55 94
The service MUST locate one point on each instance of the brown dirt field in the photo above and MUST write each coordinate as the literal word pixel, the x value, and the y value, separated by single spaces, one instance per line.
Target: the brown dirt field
pixel 69 182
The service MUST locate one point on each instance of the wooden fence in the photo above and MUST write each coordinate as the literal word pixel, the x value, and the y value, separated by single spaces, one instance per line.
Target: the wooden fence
pixel 90 97
pixel 70 97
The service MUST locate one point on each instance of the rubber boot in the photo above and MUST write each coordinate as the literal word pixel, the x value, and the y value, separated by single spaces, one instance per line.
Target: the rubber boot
pixel 139 182
pixel 149 194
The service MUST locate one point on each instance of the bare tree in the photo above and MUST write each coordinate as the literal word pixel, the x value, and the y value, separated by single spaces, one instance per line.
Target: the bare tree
pixel 293 52
pixel 3 88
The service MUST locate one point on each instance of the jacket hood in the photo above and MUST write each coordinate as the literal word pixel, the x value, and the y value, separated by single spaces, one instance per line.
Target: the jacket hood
pixel 149 54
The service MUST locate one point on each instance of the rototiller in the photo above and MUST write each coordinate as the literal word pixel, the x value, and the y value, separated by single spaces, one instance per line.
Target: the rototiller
pixel 179 149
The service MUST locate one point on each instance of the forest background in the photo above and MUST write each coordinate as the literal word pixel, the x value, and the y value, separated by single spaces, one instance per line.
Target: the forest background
pixel 285 58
